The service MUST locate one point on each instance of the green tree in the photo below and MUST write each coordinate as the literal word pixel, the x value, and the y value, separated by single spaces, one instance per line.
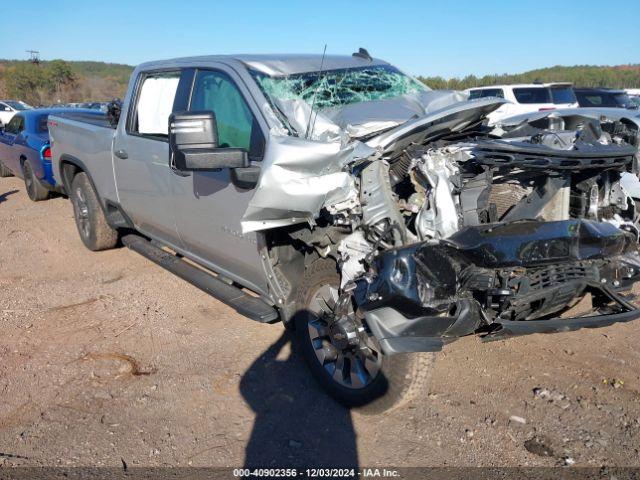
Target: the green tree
pixel 25 81
pixel 58 75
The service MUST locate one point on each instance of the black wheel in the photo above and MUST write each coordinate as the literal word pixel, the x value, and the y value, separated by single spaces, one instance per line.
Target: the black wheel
pixel 4 171
pixel 95 232
pixel 344 356
pixel 35 189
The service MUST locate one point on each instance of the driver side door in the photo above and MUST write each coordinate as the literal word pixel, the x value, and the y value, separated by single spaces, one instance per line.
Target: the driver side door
pixel 208 205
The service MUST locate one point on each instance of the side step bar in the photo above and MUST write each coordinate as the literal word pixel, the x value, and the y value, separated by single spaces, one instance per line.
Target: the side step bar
pixel 245 304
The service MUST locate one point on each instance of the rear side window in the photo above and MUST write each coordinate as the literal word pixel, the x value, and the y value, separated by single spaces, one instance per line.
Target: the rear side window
pixel 592 100
pixel 486 92
pixel 563 95
pixel 237 126
pixel 15 125
pixel 154 104
pixel 532 95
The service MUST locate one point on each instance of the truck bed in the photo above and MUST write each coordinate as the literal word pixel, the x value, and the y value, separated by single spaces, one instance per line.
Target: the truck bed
pixel 86 138
pixel 97 119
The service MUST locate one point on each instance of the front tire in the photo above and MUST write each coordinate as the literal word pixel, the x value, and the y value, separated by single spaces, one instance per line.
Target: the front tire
pixel 95 232
pixel 35 190
pixel 359 376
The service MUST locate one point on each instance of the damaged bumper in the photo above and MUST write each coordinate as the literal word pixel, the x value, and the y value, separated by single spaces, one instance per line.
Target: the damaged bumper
pixel 499 281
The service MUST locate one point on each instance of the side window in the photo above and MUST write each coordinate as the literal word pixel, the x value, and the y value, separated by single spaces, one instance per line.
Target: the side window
pixel 532 95
pixel 154 104
pixel 3 107
pixel 237 127
pixel 16 125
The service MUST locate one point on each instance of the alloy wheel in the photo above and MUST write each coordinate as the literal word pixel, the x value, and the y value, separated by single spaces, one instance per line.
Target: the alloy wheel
pixel 82 213
pixel 342 344
pixel 28 180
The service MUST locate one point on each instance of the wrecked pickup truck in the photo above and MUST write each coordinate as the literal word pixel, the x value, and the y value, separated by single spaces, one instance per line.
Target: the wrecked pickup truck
pixel 371 215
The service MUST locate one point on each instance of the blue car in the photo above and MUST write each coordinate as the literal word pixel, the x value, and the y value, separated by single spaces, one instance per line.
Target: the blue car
pixel 25 152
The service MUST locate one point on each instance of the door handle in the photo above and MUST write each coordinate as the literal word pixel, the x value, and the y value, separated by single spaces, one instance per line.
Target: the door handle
pixel 121 154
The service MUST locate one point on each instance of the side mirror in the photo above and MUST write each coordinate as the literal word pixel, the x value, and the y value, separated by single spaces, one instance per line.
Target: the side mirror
pixel 193 144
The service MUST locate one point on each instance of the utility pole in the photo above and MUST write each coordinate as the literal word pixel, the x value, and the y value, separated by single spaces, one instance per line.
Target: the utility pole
pixel 34 56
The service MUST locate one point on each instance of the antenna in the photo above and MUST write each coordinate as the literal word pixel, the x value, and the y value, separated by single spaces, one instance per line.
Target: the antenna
pixel 363 53
pixel 313 102
pixel 34 56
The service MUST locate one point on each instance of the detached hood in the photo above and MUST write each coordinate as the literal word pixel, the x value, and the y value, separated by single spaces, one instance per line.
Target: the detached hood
pixel 363 119
pixel 450 119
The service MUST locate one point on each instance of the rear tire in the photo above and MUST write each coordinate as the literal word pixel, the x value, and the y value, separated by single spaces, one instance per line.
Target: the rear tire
pixel 95 232
pixel 4 171
pixel 400 378
pixel 36 191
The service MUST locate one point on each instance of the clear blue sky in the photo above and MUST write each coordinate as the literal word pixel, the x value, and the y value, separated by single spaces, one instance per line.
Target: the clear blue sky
pixel 448 38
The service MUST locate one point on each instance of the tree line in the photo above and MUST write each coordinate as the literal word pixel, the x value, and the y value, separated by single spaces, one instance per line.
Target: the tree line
pixel 59 81
pixel 625 76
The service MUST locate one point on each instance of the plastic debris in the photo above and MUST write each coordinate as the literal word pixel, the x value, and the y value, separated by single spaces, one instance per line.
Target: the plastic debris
pixel 517 419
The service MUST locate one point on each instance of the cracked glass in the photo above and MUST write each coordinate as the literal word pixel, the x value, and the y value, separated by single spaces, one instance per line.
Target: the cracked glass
pixel 337 88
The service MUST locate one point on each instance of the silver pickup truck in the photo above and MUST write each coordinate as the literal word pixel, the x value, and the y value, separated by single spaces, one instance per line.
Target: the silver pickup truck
pixel 372 216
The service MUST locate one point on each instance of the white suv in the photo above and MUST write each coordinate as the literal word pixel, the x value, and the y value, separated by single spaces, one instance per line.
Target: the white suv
pixel 8 108
pixel 525 98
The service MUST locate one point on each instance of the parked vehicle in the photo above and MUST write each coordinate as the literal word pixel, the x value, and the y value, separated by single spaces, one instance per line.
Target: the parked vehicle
pixel 25 151
pixel 634 95
pixel 371 215
pixel 526 98
pixel 8 108
pixel 603 98
pixel 102 106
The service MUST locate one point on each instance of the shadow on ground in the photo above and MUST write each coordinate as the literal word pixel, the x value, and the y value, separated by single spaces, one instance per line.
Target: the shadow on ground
pixel 3 196
pixel 296 424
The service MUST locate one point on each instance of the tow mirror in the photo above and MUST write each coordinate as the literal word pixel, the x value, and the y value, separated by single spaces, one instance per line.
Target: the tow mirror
pixel 193 144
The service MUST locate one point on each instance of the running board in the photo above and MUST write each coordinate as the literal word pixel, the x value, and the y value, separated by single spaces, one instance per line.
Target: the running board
pixel 245 304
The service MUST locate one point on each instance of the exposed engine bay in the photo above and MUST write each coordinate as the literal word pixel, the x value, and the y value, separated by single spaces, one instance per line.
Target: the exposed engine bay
pixel 455 227
pixel 519 222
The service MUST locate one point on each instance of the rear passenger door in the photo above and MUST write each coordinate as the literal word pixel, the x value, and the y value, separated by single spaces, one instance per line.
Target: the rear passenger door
pixel 140 153
pixel 208 205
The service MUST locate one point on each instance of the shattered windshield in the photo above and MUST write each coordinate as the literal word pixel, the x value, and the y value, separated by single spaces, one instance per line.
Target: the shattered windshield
pixel 337 88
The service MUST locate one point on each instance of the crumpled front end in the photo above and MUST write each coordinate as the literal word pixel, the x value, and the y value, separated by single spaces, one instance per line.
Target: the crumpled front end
pixel 488 279
pixel 443 227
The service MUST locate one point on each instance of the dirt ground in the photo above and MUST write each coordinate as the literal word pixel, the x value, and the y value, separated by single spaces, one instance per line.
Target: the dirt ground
pixel 106 358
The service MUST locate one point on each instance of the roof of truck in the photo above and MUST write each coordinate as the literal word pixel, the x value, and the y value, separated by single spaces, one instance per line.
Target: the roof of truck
pixel 279 64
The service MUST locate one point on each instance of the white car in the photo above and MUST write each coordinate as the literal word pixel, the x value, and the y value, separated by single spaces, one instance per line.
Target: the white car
pixel 8 108
pixel 526 98
pixel 634 96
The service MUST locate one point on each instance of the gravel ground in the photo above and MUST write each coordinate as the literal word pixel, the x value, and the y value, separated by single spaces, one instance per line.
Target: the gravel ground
pixel 106 358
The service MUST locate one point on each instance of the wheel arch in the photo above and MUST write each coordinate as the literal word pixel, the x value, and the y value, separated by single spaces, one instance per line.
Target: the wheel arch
pixel 286 254
pixel 70 166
